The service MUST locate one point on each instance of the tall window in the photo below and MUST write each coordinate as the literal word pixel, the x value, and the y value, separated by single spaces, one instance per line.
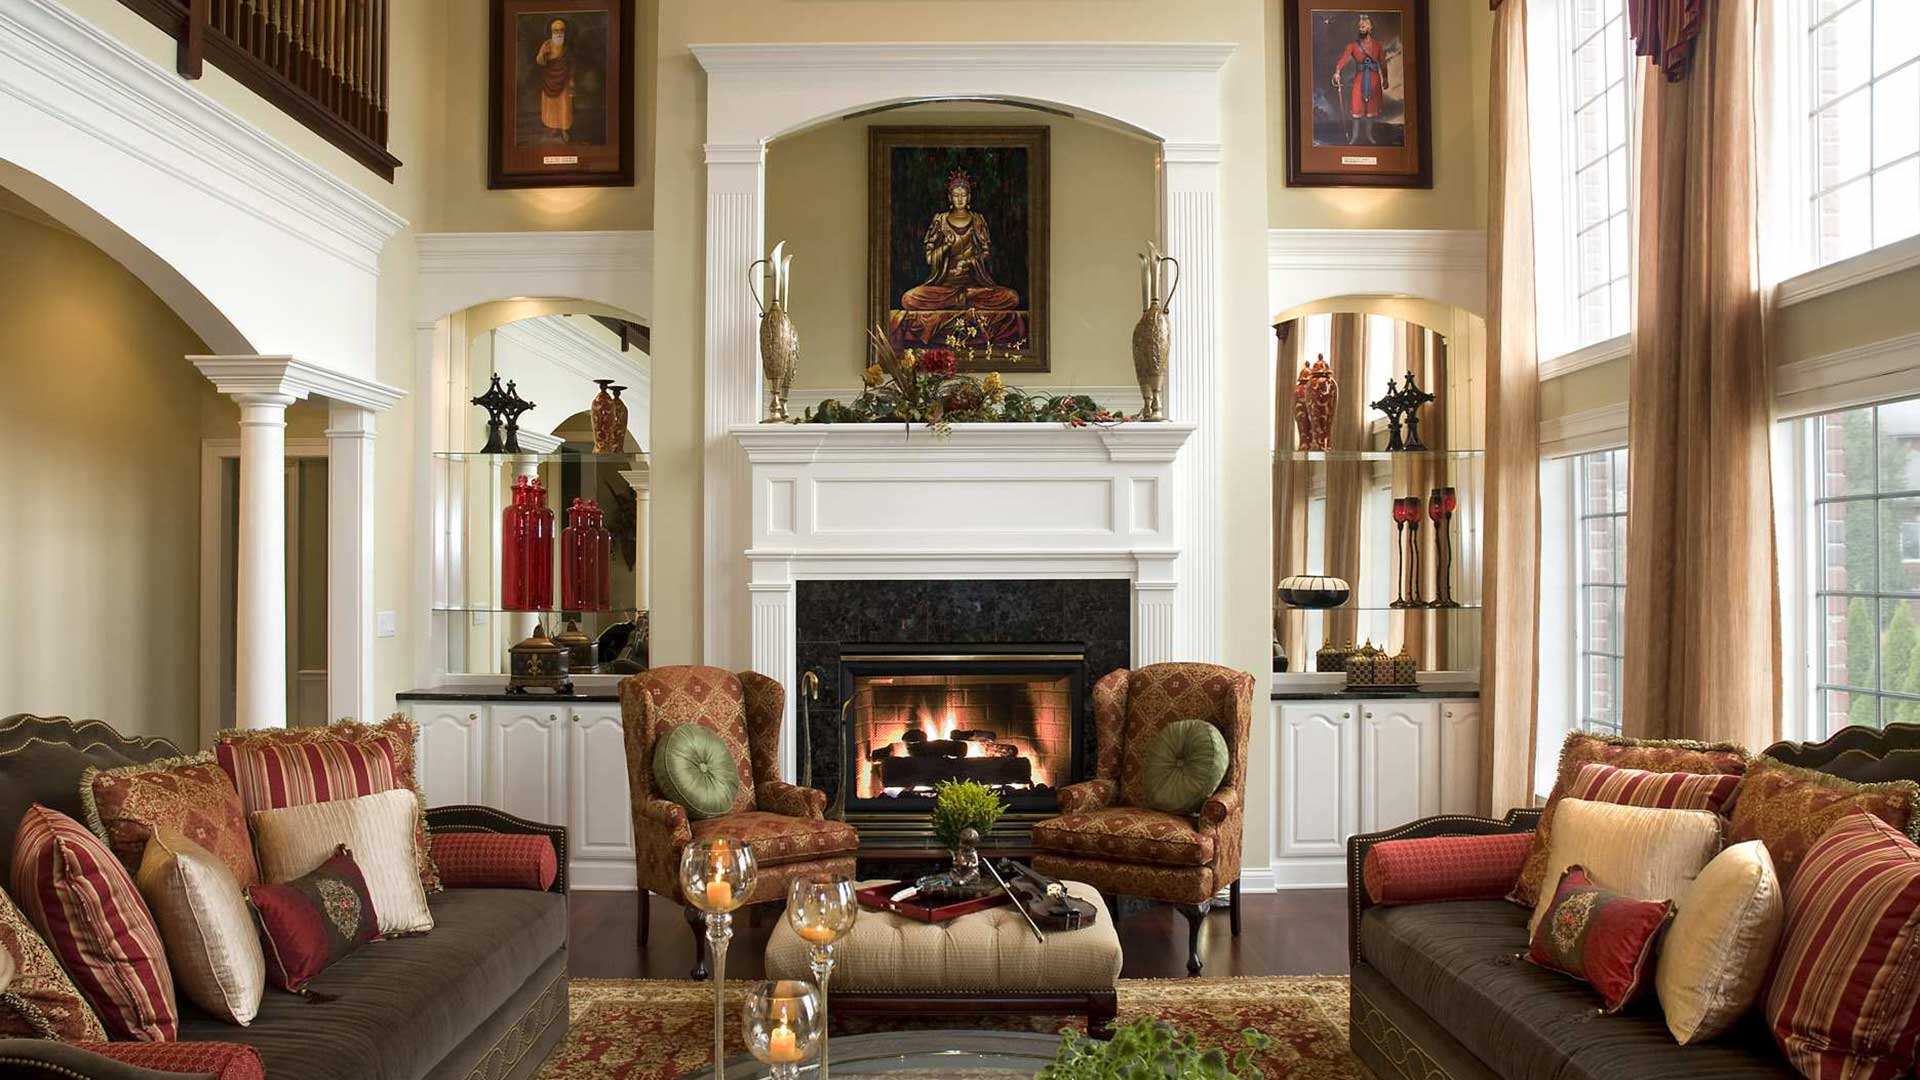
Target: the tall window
pixel 1863 100
pixel 1581 74
pixel 1600 587
pixel 1864 544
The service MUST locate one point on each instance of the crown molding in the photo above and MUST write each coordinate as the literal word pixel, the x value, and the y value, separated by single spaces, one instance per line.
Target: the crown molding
pixel 63 65
pixel 1862 375
pixel 1600 352
pixel 574 349
pixel 1603 428
pixel 501 252
pixel 758 58
pixel 284 376
pixel 1448 250
pixel 1847 273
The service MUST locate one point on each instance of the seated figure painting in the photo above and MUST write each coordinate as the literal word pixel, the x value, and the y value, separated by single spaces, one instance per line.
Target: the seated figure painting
pixel 959 226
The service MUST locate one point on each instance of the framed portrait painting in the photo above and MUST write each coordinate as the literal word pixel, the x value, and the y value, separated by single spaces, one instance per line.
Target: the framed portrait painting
pixel 957 239
pixel 1358 109
pixel 560 94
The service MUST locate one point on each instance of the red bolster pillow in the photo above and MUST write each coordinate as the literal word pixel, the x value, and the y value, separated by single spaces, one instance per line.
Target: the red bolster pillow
pixel 225 1061
pixel 483 860
pixel 1444 868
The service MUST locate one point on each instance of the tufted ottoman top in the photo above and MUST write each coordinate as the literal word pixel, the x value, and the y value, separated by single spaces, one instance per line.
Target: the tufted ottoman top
pixel 991 950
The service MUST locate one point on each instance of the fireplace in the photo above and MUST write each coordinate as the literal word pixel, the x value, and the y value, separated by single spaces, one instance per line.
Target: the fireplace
pixel 1007 718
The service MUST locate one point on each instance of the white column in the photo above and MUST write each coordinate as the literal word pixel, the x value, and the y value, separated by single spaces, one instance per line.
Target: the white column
pixel 1193 238
pixel 260 631
pixel 350 502
pixel 641 479
pixel 736 180
pixel 773 650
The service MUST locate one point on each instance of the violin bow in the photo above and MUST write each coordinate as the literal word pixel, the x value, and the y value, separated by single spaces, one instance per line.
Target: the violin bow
pixel 1015 897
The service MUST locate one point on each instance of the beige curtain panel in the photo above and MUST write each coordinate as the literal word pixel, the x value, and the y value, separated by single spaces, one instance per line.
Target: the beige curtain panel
pixel 1703 618
pixel 1346 480
pixel 1510 628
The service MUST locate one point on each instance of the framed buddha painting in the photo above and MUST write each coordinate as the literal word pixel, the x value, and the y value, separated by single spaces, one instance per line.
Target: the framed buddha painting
pixel 957 255
pixel 1358 109
pixel 560 94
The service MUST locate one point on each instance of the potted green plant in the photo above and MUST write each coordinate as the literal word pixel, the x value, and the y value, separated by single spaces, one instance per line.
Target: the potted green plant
pixel 964 812
pixel 1153 1048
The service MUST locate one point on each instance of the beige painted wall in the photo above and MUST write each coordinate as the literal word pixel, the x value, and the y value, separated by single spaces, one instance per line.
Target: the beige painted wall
pixel 100 430
pixel 1104 210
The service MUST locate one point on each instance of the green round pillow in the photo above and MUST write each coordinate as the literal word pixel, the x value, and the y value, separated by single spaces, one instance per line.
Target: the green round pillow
pixel 1183 766
pixel 693 767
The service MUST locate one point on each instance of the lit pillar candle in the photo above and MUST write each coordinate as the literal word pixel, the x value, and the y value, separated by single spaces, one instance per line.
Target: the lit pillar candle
pixel 720 894
pixel 780 1044
pixel 817 934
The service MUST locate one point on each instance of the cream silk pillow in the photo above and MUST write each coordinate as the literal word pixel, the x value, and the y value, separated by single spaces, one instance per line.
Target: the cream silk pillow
pixel 212 946
pixel 1720 947
pixel 1641 851
pixel 377 829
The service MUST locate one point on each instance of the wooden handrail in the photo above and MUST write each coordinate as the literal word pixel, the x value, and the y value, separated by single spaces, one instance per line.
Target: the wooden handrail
pixel 322 62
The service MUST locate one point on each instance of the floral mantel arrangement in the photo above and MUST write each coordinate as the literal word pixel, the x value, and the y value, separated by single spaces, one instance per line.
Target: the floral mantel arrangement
pixel 924 386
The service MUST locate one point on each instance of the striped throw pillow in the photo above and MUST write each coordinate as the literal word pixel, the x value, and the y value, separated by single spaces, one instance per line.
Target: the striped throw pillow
pixel 1847 984
pixel 86 906
pixel 276 768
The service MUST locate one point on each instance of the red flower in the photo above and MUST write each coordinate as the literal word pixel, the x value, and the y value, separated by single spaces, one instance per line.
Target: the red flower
pixel 938 362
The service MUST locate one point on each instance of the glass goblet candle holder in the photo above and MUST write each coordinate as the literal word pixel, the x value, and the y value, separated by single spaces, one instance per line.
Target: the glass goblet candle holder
pixel 822 910
pixel 784 1023
pixel 716 876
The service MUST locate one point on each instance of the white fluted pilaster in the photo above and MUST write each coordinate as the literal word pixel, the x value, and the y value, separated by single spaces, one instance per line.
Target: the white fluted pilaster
pixel 350 500
pixel 736 182
pixel 774 656
pixel 1192 178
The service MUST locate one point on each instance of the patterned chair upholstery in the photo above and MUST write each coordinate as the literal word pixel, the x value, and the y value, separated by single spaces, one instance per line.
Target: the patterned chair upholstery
pixel 786 824
pixel 1109 838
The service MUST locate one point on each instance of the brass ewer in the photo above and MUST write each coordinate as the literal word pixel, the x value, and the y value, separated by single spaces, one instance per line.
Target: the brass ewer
pixel 779 343
pixel 1152 341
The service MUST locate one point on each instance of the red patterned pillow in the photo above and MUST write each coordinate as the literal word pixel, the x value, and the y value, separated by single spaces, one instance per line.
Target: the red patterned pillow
pixel 90 912
pixel 310 922
pixel 1444 868
pixel 281 767
pixel 481 860
pixel 191 795
pixel 1646 755
pixel 1605 939
pixel 1789 809
pixel 1845 999
pixel 40 1002
pixel 222 1061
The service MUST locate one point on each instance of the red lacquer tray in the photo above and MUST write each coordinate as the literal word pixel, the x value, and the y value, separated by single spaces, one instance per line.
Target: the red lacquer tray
pixel 876 898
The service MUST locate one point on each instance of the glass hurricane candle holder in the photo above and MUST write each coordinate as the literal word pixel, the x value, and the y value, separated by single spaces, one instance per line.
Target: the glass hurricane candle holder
pixel 784 1022
pixel 822 910
pixel 716 877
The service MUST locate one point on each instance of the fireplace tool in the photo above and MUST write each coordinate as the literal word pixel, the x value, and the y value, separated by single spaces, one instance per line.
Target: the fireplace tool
pixel 809 693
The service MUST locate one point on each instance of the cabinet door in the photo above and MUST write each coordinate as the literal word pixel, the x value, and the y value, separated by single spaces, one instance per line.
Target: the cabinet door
pixel 450 753
pixel 1319 805
pixel 1459 757
pixel 527 761
pixel 600 824
pixel 1399 763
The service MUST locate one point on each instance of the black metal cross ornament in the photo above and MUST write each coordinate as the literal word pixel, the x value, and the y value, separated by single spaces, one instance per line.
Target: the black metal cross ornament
pixel 1411 398
pixel 1389 404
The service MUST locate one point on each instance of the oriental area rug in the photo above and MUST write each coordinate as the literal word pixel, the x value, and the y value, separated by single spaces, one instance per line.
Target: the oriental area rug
pixel 659 1029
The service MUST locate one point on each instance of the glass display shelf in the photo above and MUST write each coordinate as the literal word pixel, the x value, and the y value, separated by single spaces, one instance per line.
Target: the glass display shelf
pixel 623 460
pixel 1386 607
pixel 1382 455
pixel 569 612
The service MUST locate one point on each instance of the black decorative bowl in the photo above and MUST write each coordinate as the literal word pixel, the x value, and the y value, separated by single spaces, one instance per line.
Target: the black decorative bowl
pixel 1313 591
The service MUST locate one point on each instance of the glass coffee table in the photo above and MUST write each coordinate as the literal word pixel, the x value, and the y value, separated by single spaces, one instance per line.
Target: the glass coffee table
pixel 919 1055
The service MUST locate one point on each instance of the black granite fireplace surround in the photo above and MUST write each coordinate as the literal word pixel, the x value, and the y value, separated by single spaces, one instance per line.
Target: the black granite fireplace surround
pixel 832 618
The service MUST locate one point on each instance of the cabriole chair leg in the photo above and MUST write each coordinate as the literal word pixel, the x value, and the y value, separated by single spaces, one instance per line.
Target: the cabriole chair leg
pixel 1196 918
pixel 698 924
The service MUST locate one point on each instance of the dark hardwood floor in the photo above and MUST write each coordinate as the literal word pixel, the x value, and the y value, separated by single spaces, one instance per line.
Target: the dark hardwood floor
pixel 1284 933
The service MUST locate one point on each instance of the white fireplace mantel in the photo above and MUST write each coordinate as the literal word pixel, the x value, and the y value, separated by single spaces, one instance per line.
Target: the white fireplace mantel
pixel 981 501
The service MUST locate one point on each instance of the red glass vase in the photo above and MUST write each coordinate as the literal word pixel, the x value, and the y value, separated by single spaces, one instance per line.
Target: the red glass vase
pixel 602 560
pixel 576 567
pixel 516 528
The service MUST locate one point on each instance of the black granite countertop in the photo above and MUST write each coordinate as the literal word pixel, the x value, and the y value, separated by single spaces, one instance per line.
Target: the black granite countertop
pixel 488 693
pixel 1376 694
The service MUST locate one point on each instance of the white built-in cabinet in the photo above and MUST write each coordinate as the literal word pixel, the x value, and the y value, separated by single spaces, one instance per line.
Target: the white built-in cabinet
pixel 551 762
pixel 1349 766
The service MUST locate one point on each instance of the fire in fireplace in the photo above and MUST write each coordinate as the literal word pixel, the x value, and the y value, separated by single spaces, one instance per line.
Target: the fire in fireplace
pixel 1007 720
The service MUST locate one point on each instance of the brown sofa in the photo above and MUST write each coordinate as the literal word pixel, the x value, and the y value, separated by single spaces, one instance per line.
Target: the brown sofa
pixel 1440 990
pixel 483 995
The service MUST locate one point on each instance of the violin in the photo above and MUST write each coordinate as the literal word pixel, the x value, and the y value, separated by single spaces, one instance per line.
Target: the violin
pixel 1045 900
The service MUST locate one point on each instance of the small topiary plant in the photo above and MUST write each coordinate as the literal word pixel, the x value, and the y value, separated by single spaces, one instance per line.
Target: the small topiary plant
pixel 959 805
pixel 1152 1050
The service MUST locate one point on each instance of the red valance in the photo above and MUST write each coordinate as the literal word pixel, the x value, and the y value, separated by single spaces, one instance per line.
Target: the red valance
pixel 1665 30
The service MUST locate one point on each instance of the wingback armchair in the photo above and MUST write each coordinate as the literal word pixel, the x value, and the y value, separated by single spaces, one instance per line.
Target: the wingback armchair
pixel 1108 837
pixel 786 824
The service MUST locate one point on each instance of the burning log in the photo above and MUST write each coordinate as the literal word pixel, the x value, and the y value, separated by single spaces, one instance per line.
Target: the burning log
pixel 924 772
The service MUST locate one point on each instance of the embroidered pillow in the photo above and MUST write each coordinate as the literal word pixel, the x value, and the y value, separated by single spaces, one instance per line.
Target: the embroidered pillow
pixel 308 924
pixel 283 767
pixel 1643 755
pixel 1602 938
pixel 1720 948
pixel 379 829
pixel 39 1002
pixel 85 904
pixel 189 794
pixel 222 1061
pixel 481 860
pixel 212 947
pixel 1638 851
pixel 1845 1000
pixel 1789 808
pixel 1443 868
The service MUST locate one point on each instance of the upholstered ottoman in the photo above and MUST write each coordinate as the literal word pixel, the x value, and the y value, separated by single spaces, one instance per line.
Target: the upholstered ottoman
pixel 986 962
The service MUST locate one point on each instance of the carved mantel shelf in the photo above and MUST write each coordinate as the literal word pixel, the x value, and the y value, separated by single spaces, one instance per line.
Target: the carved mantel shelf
pixel 805 443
